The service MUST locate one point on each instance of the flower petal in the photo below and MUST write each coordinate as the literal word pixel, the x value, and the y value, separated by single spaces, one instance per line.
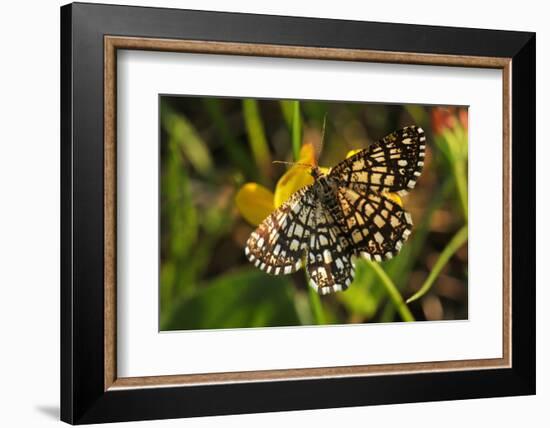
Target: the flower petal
pixel 297 176
pixel 394 197
pixel 293 180
pixel 352 152
pixel 307 154
pixel 255 202
pixel 443 118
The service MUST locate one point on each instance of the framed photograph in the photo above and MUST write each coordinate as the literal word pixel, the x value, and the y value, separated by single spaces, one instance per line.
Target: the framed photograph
pixel 266 213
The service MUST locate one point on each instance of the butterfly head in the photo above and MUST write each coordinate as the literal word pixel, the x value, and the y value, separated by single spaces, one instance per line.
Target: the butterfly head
pixel 315 172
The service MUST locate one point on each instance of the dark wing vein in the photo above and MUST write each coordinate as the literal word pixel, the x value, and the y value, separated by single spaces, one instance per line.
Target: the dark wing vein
pixel 376 226
pixel 329 264
pixel 277 245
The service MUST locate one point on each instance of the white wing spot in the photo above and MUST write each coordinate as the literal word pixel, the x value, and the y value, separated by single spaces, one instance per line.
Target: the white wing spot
pixel 327 257
pixel 366 255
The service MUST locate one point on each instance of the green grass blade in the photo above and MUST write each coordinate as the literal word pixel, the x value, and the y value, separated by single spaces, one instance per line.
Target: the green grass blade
pixel 256 135
pixel 453 144
pixel 393 292
pixel 296 130
pixel 234 149
pixel 316 306
pixel 460 173
pixel 287 109
pixel 452 247
pixel 188 140
pixel 399 268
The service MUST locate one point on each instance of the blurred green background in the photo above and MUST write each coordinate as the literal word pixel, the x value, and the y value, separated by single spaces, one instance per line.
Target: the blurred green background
pixel 211 147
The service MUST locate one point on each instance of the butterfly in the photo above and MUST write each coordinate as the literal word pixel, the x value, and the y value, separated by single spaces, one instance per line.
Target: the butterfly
pixel 345 213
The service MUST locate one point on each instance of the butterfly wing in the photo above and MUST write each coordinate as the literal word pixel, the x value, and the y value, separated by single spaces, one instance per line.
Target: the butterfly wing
pixel 329 265
pixel 278 244
pixel 373 226
pixel 303 227
pixel 392 164
pixel 376 226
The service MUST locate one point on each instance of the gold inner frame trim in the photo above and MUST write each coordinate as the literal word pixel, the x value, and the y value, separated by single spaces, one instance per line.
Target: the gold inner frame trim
pixel 113 43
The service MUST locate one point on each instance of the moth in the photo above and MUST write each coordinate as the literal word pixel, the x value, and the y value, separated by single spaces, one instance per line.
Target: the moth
pixel 345 213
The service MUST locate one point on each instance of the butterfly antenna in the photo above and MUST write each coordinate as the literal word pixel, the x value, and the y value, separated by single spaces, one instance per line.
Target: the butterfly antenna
pixel 323 131
pixel 319 146
pixel 293 163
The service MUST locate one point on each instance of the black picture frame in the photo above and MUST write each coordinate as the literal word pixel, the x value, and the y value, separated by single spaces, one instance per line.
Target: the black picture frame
pixel 83 396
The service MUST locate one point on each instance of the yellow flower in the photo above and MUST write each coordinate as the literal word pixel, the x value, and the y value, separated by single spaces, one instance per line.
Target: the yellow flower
pixel 256 202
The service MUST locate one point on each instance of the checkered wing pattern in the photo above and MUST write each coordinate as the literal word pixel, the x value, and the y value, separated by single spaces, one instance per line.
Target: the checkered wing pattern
pixel 392 164
pixel 329 265
pixel 376 226
pixel 344 214
pixel 278 244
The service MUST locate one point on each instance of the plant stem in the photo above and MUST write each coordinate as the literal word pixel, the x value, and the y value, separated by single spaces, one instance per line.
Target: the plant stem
pixel 287 109
pixel 256 135
pixel 461 187
pixel 316 306
pixel 452 247
pixel 296 130
pixel 400 268
pixel 394 294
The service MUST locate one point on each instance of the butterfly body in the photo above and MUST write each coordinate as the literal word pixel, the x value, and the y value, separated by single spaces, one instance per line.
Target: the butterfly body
pixel 325 188
pixel 344 214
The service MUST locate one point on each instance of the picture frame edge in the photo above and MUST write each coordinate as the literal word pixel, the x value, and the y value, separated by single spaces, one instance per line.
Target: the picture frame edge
pixel 91 400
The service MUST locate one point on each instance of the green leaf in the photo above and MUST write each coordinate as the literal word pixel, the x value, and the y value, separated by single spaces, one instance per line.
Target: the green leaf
pixel 183 134
pixel 247 298
pixel 458 240
pixel 287 109
pixel 236 151
pixel 359 298
pixel 179 224
pixel 316 306
pixel 256 135
pixel 296 130
pixel 418 113
pixel 392 291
